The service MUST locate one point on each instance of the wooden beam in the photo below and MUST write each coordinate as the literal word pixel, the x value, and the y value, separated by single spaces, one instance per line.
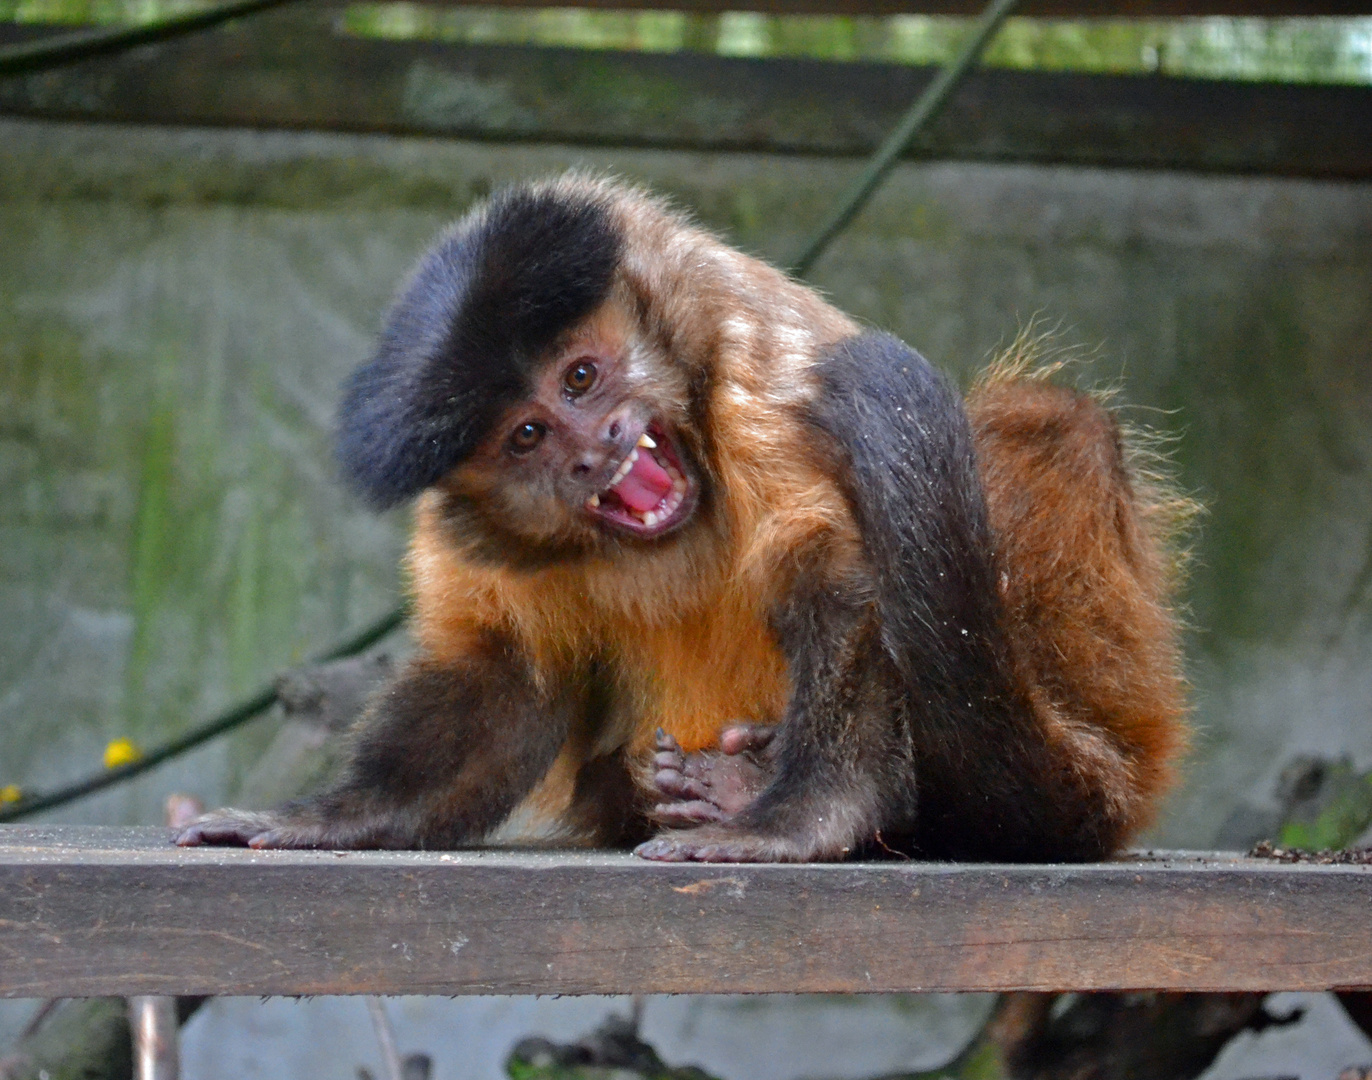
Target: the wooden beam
pixel 1059 9
pixel 98 911
pixel 290 71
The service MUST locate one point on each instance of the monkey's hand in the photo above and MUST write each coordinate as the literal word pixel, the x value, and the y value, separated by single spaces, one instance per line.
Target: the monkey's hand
pixel 706 800
pixel 254 829
pixel 711 785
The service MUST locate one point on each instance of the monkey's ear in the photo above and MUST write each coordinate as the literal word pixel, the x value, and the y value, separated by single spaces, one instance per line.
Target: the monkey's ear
pixel 461 343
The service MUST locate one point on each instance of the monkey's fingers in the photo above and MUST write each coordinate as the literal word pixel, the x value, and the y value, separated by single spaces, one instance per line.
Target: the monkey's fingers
pixel 670 759
pixel 677 785
pixel 686 813
pixel 742 738
pixel 666 742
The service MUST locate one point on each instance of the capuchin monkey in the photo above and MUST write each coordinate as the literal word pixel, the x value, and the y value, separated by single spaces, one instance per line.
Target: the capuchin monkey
pixel 693 549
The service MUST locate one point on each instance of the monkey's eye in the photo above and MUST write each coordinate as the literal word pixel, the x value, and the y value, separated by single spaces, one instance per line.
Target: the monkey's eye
pixel 525 437
pixel 580 377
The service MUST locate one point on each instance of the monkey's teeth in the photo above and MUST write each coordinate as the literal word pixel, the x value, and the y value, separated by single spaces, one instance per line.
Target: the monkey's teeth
pixel 624 468
pixel 671 502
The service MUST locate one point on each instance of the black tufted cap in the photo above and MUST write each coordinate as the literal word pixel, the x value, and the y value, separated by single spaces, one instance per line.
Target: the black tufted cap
pixel 461 342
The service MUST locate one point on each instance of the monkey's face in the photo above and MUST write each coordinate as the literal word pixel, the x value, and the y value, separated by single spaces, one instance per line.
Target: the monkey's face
pixel 596 453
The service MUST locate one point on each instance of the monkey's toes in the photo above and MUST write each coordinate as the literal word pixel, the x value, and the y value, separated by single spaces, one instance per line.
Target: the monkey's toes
pixel 287 836
pixel 719 844
pixel 664 848
pixel 671 849
pixel 225 827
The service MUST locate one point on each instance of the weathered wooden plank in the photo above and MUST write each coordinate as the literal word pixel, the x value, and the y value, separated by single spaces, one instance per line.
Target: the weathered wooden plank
pixel 87 911
pixel 290 71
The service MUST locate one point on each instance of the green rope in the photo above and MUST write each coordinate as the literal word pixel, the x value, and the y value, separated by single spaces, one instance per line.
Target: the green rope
pixel 234 717
pixel 916 119
pixel 62 49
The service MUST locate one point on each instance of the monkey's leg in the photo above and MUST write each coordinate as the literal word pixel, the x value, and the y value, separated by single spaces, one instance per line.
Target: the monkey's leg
pixel 444 756
pixel 712 785
pixel 842 767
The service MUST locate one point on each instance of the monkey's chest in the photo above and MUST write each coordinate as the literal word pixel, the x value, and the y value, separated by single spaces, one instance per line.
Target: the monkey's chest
pixel 697 677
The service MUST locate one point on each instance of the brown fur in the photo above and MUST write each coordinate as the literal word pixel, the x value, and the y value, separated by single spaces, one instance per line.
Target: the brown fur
pixel 681 633
pixel 1086 542
pixel 1083 541
pixel 685 622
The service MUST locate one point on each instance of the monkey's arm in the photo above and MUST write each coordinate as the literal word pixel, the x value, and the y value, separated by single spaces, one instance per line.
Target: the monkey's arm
pixel 901 670
pixel 844 756
pixel 443 757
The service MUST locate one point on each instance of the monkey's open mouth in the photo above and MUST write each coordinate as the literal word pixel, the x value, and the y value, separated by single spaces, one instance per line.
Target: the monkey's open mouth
pixel 651 493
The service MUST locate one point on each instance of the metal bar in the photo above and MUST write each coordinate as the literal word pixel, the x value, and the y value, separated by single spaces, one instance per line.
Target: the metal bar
pixel 385 1039
pixel 925 108
pixel 156 1051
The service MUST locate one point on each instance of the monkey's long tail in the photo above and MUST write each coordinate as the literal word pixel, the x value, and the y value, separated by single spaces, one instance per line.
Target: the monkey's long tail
pixel 1087 544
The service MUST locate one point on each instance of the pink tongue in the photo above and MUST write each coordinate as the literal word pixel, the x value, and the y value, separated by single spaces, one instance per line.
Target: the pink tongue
pixel 646 485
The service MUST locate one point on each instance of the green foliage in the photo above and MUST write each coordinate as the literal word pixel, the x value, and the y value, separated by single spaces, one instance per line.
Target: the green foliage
pixel 612 1052
pixel 1289 50
pixel 1283 50
pixel 520 1070
pixel 1336 816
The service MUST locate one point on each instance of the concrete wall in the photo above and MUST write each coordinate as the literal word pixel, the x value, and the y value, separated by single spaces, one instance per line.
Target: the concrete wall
pixel 178 307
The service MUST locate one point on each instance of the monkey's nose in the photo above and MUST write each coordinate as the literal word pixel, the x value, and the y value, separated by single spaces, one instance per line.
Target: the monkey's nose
pixel 618 427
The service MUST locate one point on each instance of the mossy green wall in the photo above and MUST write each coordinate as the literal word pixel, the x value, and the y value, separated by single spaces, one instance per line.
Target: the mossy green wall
pixel 177 309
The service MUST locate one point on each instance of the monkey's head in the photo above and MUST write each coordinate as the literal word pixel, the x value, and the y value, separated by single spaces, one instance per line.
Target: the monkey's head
pixel 518 374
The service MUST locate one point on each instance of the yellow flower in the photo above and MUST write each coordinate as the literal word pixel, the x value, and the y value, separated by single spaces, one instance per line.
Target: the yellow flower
pixel 121 752
pixel 10 793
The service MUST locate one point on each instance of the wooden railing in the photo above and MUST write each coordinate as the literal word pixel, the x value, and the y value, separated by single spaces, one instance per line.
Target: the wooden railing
pixel 102 911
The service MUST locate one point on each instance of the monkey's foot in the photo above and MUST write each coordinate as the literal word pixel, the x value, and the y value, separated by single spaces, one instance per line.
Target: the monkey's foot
pixel 254 829
pixel 726 843
pixel 711 785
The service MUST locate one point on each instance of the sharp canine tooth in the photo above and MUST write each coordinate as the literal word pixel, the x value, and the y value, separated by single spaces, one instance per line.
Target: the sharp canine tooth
pixel 650 519
pixel 593 501
pixel 645 441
